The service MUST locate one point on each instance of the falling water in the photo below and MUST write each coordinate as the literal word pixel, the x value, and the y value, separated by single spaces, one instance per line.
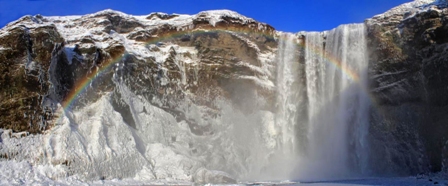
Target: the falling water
pixel 286 95
pixel 336 117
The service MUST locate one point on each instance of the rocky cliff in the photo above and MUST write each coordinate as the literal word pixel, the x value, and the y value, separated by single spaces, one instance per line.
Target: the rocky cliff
pixel 162 76
pixel 408 61
pixel 198 57
pixel 172 84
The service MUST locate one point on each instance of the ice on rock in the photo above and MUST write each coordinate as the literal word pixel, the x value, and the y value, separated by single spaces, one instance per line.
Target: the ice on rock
pixel 204 176
pixel 69 53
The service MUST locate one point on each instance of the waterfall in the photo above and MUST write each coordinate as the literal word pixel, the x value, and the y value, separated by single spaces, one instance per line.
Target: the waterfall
pixel 336 119
pixel 285 118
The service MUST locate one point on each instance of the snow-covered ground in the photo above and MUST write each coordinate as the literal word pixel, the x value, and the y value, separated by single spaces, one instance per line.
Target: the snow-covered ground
pixel 23 173
pixel 394 181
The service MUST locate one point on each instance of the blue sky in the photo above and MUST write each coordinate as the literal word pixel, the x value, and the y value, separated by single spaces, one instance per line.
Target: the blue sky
pixel 284 15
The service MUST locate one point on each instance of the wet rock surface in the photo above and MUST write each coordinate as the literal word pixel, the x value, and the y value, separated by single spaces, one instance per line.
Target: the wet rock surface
pixel 408 61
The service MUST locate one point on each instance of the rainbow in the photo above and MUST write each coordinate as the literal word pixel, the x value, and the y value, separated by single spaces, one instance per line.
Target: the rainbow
pixel 333 60
pixel 81 85
pixel 347 70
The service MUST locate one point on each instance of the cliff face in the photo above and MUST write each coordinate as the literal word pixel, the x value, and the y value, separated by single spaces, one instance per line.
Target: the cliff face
pixel 408 64
pixel 165 58
pixel 172 79
pixel 25 57
pixel 159 80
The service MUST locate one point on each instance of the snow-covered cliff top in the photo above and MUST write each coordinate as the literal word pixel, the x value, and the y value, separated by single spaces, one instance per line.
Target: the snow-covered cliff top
pixel 409 9
pixel 150 20
pixel 109 27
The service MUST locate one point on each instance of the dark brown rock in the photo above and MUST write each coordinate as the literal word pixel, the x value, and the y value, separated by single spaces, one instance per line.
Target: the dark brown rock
pixel 24 66
pixel 408 65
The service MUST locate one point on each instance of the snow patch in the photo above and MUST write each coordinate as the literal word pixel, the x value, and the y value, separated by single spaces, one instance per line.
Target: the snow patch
pixel 4 49
pixel 411 9
pixel 215 16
